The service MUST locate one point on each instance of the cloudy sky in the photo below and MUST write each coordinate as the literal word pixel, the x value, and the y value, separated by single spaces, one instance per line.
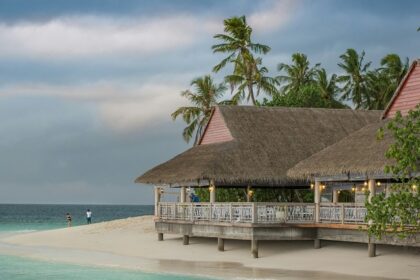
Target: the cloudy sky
pixel 87 87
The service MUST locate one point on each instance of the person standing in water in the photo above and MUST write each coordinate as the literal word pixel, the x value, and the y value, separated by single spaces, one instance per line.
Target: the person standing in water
pixel 68 218
pixel 89 216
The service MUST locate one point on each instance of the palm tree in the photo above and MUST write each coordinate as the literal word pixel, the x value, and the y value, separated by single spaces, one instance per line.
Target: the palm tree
pixel 250 76
pixel 382 82
pixel 354 78
pixel 379 89
pixel 298 74
pixel 327 88
pixel 394 68
pixel 203 98
pixel 236 41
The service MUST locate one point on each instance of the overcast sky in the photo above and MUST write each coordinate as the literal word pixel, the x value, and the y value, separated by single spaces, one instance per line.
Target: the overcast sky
pixel 87 87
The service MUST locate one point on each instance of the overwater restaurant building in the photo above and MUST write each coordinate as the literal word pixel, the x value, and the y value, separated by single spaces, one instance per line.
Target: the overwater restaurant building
pixel 327 150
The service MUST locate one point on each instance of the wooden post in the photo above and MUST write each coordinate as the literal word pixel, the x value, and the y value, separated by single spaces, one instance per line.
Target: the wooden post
pixel 188 196
pixel 254 213
pixel 160 236
pixel 371 186
pixel 317 198
pixel 157 200
pixel 212 188
pixel 230 213
pixel 335 196
pixel 254 248
pixel 185 240
pixel 183 195
pixel 220 244
pixel 371 245
pixel 371 249
pixel 317 243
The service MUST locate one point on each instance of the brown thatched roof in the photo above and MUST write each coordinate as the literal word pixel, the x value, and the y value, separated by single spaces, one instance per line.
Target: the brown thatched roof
pixel 360 153
pixel 267 142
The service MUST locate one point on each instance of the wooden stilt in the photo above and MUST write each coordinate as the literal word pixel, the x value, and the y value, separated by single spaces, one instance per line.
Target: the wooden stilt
pixel 185 240
pixel 317 198
pixel 160 236
pixel 254 248
pixel 220 244
pixel 371 250
pixel 317 243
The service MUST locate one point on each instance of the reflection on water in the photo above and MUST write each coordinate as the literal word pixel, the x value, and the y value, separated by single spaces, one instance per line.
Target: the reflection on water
pixel 238 271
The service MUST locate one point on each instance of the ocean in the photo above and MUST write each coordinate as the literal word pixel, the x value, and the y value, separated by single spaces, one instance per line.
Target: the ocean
pixel 25 218
pixel 30 217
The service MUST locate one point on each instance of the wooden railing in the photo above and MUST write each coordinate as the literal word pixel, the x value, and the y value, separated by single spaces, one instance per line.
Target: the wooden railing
pixel 262 213
pixel 344 213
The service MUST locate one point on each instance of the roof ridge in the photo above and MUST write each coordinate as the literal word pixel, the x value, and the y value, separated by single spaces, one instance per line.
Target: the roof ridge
pixel 294 108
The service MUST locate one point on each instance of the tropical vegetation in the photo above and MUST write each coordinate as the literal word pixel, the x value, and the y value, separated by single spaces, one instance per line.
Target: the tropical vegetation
pixel 398 213
pixel 248 77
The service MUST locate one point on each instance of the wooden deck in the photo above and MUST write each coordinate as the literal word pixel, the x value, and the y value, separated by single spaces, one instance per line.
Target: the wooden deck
pixel 270 221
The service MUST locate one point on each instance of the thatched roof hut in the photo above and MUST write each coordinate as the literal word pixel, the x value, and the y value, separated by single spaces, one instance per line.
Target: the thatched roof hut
pixel 358 154
pixel 262 144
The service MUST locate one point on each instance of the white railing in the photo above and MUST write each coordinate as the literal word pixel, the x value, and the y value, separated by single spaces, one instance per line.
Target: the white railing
pixel 285 213
pixel 263 213
pixel 238 212
pixel 344 213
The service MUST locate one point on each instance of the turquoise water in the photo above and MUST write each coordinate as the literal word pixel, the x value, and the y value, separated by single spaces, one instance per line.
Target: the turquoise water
pixel 30 217
pixel 15 268
pixel 22 218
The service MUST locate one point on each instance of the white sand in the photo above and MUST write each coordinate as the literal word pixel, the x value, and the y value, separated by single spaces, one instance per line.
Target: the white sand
pixel 132 243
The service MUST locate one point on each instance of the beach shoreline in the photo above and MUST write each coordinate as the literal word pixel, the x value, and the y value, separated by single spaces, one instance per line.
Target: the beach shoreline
pixel 132 244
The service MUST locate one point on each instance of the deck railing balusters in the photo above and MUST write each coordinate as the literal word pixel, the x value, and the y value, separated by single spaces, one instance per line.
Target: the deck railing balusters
pixel 262 213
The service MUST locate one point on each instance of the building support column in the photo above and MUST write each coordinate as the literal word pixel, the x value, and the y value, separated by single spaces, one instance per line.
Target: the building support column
pixel 188 197
pixel 371 187
pixel 254 248
pixel 157 200
pixel 317 198
pixel 183 195
pixel 185 240
pixel 317 243
pixel 335 196
pixel 220 244
pixel 212 189
pixel 371 244
pixel 160 236
pixel 371 249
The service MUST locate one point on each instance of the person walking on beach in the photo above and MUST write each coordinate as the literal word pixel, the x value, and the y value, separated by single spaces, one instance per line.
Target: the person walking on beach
pixel 68 218
pixel 88 216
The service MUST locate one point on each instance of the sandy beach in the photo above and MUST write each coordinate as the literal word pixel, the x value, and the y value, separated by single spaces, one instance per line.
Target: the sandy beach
pixel 132 243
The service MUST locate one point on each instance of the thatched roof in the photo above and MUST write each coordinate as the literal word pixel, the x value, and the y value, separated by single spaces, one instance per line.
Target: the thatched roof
pixel 360 153
pixel 267 142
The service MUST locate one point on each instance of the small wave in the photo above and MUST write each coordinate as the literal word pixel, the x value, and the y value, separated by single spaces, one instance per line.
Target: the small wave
pixel 24 230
